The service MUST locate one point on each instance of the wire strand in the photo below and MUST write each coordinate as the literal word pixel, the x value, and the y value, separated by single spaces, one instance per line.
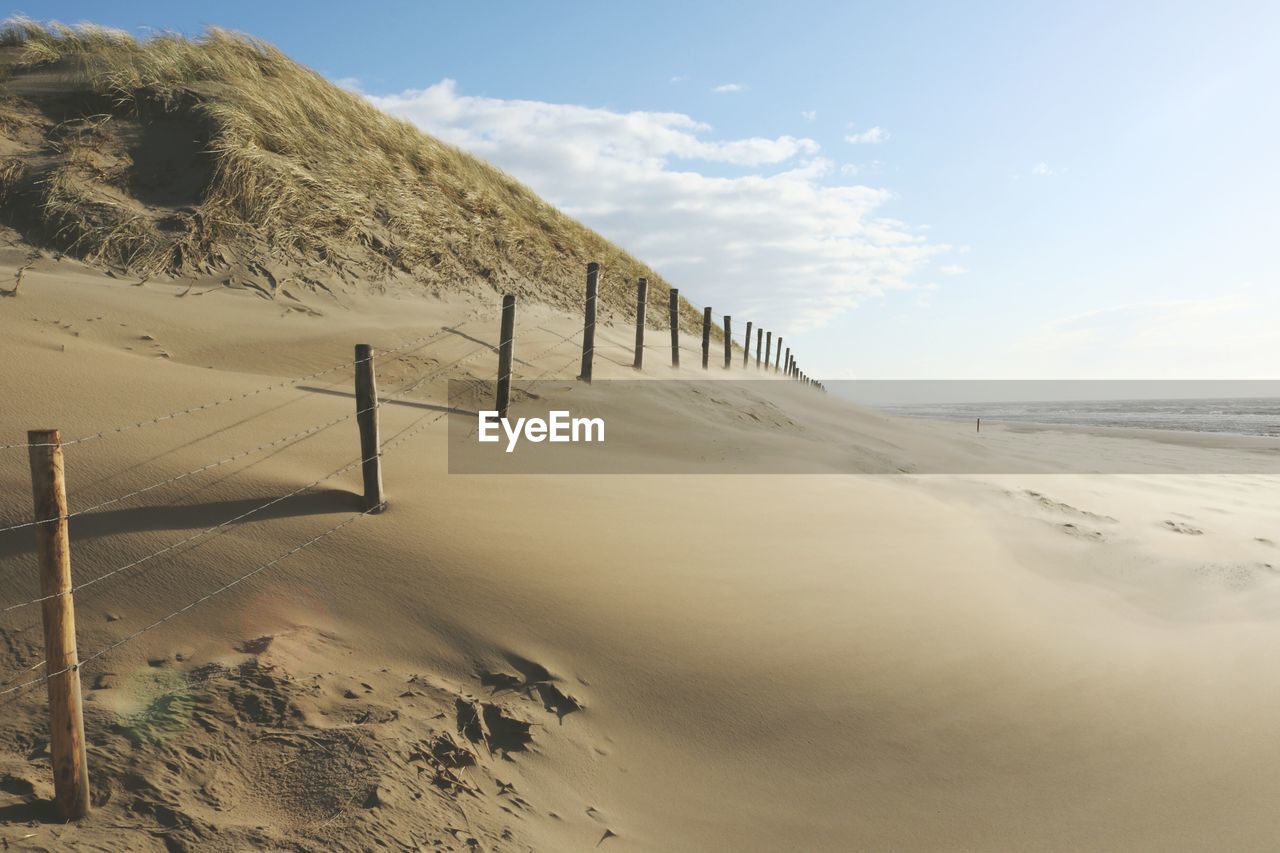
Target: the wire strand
pixel 232 399
pixel 222 526
pixel 405 434
pixel 306 433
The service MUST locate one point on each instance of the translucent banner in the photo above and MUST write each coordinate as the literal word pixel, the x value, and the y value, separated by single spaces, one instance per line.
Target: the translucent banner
pixel 726 425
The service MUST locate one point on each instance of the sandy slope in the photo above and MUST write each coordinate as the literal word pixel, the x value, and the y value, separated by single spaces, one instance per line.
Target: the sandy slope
pixel 762 662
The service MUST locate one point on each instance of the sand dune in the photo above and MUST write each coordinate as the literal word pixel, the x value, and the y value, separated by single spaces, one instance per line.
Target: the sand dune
pixel 670 662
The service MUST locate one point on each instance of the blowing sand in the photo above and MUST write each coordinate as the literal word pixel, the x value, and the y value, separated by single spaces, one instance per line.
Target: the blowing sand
pixel 673 662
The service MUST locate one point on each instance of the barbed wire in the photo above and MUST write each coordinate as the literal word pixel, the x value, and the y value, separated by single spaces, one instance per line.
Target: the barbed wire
pixel 231 399
pixel 112 647
pixel 29 669
pixel 558 342
pixel 398 438
pixel 555 369
pixel 307 433
pixel 222 526
pixel 404 434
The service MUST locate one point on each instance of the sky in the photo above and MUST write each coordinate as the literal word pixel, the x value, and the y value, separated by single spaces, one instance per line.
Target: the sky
pixel 907 190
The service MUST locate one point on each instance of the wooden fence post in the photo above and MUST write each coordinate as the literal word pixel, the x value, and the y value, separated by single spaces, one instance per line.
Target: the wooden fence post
pixel 675 327
pixel 777 360
pixel 589 322
pixel 506 341
pixel 728 340
pixel 367 419
pixel 642 301
pixel 53 552
pixel 786 363
pixel 768 349
pixel 759 346
pixel 706 338
pixel 746 347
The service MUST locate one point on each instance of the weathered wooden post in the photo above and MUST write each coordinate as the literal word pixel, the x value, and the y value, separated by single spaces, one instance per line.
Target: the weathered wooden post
pixel 746 347
pixel 506 340
pixel 759 346
pixel 768 349
pixel 675 327
pixel 642 301
pixel 728 340
pixel 367 419
pixel 589 322
pixel 777 361
pixel 786 364
pixel 706 338
pixel 53 553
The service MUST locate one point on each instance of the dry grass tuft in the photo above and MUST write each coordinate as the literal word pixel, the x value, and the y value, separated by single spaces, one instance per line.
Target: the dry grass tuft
pixel 296 170
pixel 11 169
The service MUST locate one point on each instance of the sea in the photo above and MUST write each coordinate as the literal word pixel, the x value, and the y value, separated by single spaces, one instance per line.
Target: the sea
pixel 1235 415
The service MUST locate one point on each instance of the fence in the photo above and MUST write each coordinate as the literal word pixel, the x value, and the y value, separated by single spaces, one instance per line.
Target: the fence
pixel 45 448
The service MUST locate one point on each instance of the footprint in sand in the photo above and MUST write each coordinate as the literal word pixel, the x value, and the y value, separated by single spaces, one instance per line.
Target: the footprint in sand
pixel 1049 503
pixel 1082 532
pixel 1185 529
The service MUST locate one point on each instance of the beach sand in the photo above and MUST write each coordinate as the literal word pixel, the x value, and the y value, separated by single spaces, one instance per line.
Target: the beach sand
pixel 825 661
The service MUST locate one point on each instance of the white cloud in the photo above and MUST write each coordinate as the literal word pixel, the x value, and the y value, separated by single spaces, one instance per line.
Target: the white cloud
pixel 351 84
pixel 809 115
pixel 849 170
pixel 1041 169
pixel 875 134
pixel 729 87
pixel 762 232
pixel 952 269
pixel 679 78
pixel 1210 337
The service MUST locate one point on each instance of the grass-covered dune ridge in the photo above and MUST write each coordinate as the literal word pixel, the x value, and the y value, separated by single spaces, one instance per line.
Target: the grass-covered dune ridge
pixel 178 155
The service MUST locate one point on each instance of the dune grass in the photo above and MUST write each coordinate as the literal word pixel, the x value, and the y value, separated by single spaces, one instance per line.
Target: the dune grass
pixel 298 169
